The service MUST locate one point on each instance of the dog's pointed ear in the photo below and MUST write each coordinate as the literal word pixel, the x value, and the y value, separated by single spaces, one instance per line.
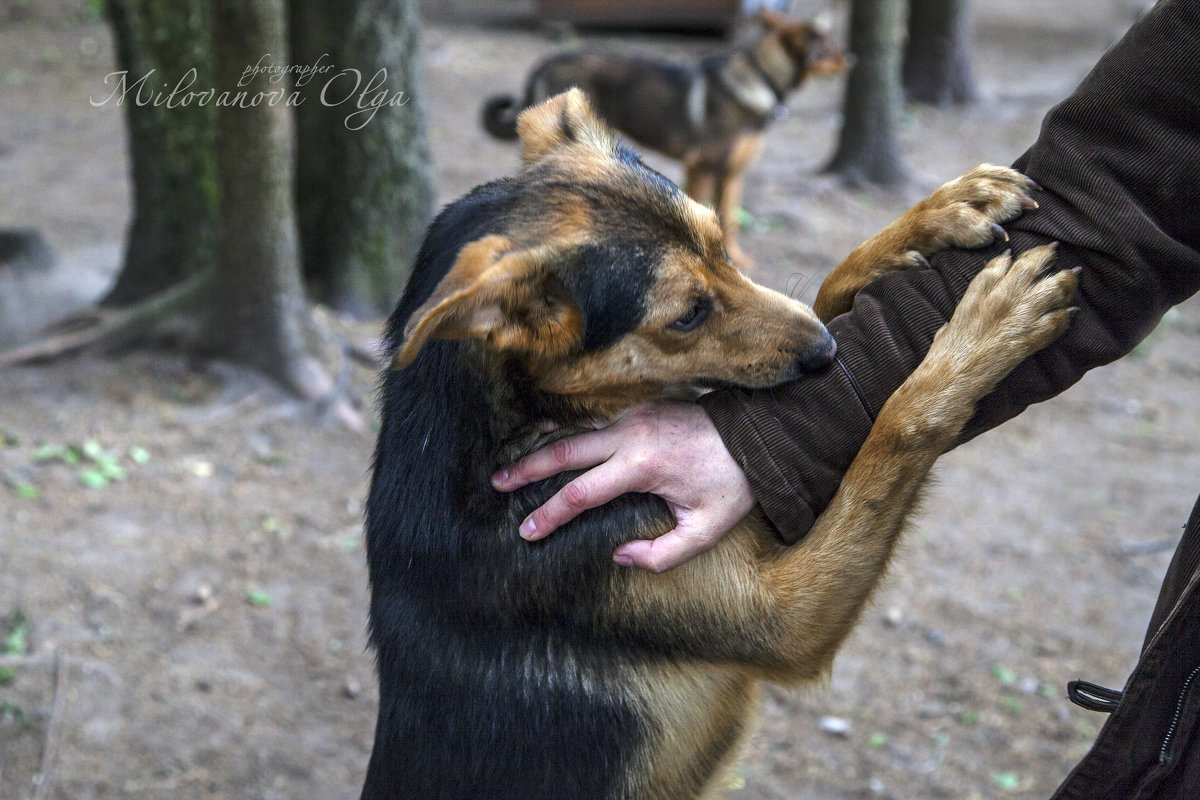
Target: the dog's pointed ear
pixel 561 120
pixel 501 294
pixel 771 20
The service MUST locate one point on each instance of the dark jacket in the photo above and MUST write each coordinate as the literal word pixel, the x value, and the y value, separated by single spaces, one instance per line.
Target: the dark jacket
pixel 1119 162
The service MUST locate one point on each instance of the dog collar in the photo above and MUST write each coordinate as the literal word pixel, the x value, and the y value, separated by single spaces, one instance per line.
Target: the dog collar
pixel 780 94
pixel 697 101
pixel 760 99
pixel 764 99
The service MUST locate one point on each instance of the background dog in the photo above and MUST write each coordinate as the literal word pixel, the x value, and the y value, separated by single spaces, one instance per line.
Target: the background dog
pixel 710 115
pixel 559 297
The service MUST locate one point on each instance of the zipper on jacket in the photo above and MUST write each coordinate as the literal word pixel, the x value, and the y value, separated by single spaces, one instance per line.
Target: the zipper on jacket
pixel 1164 756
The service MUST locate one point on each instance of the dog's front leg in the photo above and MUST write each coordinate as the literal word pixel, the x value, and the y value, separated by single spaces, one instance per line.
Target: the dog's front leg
pixel 1010 310
pixel 699 181
pixel 965 212
pixel 730 178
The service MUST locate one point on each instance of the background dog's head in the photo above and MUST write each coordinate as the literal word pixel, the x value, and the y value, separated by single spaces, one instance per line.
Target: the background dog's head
pixel 808 45
pixel 599 278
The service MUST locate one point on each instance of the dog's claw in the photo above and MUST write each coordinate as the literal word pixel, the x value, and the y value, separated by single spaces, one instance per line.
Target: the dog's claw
pixel 916 259
pixel 999 233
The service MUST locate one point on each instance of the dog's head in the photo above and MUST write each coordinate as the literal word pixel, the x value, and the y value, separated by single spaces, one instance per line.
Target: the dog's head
pixel 808 45
pixel 604 283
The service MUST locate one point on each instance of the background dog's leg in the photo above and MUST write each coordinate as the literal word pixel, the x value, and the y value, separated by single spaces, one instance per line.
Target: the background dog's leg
pixel 729 194
pixel 729 200
pixel 964 212
pixel 821 585
pixel 698 181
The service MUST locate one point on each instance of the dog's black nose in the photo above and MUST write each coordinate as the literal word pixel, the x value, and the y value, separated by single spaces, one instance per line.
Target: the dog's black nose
pixel 819 355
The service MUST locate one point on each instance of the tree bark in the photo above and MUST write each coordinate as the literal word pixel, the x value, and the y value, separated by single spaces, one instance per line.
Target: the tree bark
pixel 364 193
pixel 937 60
pixel 868 150
pixel 257 311
pixel 173 233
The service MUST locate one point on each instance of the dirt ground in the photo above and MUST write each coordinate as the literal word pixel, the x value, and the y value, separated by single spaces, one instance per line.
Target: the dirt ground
pixel 183 609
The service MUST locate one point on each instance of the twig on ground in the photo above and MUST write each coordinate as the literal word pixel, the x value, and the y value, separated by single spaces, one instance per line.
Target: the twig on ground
pixel 101 327
pixel 50 750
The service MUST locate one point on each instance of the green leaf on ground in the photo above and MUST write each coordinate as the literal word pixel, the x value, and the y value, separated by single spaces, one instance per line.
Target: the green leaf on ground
pixel 111 470
pixel 16 643
pixel 93 479
pixel 1006 781
pixel 1011 704
pixel 258 598
pixel 58 452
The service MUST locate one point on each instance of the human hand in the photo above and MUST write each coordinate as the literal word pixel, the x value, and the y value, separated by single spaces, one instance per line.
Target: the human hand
pixel 670 449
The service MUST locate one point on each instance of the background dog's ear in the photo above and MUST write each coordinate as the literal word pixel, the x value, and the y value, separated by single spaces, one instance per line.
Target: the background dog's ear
pixel 771 20
pixel 561 120
pixel 506 296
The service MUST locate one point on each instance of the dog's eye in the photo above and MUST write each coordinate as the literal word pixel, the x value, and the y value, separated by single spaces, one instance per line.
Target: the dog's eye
pixel 695 316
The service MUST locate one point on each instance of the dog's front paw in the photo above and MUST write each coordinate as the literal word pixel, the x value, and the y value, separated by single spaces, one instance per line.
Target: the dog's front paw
pixel 968 211
pixel 1012 309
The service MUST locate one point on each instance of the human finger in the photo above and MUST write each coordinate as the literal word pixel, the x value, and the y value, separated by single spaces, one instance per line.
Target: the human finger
pixel 581 451
pixel 593 488
pixel 668 551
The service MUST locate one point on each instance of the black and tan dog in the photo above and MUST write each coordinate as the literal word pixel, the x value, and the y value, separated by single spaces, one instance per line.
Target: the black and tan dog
pixel 710 115
pixel 556 299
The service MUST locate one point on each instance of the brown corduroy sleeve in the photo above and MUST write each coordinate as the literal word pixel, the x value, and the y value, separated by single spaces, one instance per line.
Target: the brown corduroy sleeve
pixel 1119 163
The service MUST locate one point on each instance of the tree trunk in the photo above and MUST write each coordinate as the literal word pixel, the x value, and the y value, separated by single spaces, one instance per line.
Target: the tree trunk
pixel 937 61
pixel 364 193
pixel 173 234
pixel 257 311
pixel 868 151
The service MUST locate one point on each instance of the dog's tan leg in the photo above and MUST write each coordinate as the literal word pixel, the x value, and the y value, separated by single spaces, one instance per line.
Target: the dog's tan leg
pixel 729 199
pixel 698 181
pixel 729 194
pixel 965 212
pixel 821 586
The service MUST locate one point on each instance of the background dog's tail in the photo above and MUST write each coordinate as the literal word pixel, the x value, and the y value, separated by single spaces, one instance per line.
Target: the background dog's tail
pixel 500 116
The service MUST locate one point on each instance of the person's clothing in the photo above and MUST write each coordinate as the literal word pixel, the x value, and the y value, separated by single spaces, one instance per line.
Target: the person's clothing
pixel 1149 748
pixel 1119 162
